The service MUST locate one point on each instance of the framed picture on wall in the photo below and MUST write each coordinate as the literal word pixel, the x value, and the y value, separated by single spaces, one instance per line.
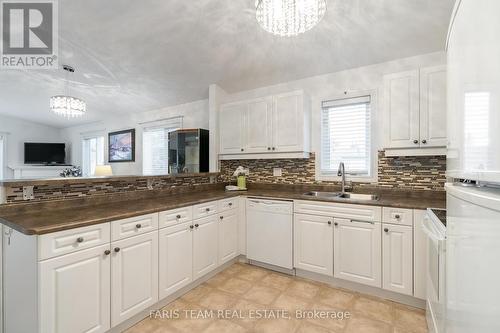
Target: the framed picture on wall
pixel 122 146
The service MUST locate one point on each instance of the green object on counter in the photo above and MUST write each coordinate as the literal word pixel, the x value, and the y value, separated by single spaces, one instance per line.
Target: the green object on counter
pixel 242 182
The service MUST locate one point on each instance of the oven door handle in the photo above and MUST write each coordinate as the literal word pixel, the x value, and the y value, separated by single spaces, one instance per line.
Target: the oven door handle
pixel 428 231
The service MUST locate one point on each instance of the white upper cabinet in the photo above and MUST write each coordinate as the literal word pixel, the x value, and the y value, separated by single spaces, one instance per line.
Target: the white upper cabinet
pixel 415 109
pixel 266 127
pixel 231 123
pixel 358 252
pixel 433 106
pixel 397 258
pixel 288 122
pixel 402 109
pixel 258 120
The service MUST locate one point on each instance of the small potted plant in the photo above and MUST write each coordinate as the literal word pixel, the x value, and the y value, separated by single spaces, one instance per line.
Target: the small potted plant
pixel 241 173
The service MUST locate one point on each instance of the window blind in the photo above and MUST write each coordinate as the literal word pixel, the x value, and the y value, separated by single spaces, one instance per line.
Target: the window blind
pixel 92 154
pixel 155 146
pixel 346 136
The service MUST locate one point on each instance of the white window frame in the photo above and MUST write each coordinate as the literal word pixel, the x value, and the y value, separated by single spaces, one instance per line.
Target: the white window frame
pixel 88 136
pixel 373 178
pixel 171 124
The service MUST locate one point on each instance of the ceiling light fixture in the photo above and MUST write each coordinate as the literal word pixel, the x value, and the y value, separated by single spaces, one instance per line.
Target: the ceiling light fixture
pixel 66 105
pixel 288 18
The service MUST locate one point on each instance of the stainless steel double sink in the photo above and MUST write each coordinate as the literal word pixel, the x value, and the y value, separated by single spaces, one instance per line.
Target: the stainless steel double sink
pixel 342 196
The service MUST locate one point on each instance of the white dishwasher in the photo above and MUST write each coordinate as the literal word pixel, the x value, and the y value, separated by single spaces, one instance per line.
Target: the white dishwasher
pixel 269 232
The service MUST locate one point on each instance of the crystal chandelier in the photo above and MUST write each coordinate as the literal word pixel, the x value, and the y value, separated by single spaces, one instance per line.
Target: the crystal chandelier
pixel 289 17
pixel 66 105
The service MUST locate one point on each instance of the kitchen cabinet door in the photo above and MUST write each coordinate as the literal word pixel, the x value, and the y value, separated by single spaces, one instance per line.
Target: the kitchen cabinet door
pixel 205 245
pixel 288 122
pixel 175 258
pixel 313 243
pixel 75 292
pixel 231 128
pixel 402 109
pixel 433 107
pixel 397 258
pixel 258 128
pixel 358 252
pixel 134 272
pixel 228 235
pixel 420 256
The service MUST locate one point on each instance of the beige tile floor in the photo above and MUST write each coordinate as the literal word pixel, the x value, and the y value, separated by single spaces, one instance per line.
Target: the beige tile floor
pixel 244 289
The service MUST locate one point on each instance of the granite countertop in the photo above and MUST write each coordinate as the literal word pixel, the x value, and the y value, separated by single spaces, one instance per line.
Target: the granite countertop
pixel 64 217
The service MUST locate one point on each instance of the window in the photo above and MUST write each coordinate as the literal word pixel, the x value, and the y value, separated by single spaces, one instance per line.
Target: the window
pixel 2 156
pixel 155 146
pixel 346 137
pixel 93 154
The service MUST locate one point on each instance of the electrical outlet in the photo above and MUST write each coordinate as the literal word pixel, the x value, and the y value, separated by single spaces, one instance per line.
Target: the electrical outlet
pixel 28 193
pixel 277 172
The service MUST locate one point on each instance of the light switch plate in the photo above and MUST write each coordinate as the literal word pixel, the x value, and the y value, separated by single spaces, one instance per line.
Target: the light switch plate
pixel 277 172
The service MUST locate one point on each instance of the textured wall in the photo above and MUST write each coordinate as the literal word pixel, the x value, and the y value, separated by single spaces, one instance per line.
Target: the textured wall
pixel 422 173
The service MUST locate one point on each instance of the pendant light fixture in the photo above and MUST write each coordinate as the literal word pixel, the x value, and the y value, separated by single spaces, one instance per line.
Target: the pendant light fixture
pixel 66 105
pixel 288 18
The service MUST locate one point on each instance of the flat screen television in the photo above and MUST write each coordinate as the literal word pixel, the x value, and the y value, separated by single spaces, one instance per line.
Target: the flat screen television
pixel 44 153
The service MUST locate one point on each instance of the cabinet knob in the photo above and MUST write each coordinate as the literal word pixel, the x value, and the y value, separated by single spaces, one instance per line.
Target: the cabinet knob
pixel 397 216
pixel 230 204
pixel 415 141
pixel 138 226
pixel 268 148
pixel 336 224
pixel 117 249
pixel 274 148
pixel 242 149
pixel 329 222
pixel 424 141
pixel 196 225
pixel 221 217
pixel 207 209
pixel 107 252
pixel 191 226
pixel 386 229
pixel 178 217
pixel 79 240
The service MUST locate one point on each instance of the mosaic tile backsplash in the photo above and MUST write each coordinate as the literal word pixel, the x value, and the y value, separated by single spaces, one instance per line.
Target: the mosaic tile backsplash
pixel 405 172
pixel 64 191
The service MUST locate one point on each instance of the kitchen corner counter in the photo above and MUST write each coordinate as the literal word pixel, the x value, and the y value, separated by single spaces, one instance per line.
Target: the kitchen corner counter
pixel 37 222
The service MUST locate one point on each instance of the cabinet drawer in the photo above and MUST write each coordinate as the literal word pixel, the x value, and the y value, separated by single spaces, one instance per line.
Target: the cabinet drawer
pixel 348 211
pixel 205 209
pixel 175 216
pixel 68 241
pixel 397 216
pixel 227 204
pixel 134 226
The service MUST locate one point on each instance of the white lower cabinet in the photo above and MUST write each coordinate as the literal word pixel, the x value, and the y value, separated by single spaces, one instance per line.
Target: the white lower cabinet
pixel 228 236
pixel 134 276
pixel 419 255
pixel 205 245
pixel 397 258
pixel 75 292
pixel 176 258
pixel 313 243
pixel 358 252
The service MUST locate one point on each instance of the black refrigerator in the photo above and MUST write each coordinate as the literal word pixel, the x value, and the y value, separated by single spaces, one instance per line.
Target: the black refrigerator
pixel 188 151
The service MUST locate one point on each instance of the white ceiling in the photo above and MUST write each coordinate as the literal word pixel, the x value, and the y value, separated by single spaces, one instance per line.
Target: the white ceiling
pixel 134 56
